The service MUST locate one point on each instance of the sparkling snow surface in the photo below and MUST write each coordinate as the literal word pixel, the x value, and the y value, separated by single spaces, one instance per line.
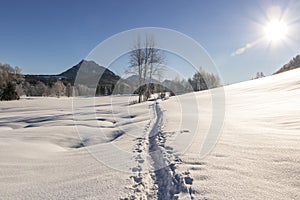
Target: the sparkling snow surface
pixel 257 155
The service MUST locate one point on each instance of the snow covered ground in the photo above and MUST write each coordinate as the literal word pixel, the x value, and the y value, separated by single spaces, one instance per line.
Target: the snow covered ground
pixel 123 147
pixel 258 153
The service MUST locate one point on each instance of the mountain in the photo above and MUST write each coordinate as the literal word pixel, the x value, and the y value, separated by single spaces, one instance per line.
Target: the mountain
pixel 293 64
pixel 134 80
pixel 86 73
pixel 90 66
pixel 89 70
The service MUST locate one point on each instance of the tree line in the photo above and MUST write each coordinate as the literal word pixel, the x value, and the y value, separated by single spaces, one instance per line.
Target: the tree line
pixel 56 89
pixel 292 64
pixel 13 85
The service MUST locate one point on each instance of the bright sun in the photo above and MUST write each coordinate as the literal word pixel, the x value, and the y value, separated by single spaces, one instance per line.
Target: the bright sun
pixel 276 30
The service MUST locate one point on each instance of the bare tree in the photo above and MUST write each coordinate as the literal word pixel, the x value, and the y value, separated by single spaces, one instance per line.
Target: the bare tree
pixel 69 90
pixel 204 80
pixel 136 64
pixel 40 89
pixel 58 89
pixel 156 63
pixel 145 62
pixel 259 75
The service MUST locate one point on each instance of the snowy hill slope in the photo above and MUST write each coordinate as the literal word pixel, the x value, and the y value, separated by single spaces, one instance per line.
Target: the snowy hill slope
pixel 258 153
pixel 257 156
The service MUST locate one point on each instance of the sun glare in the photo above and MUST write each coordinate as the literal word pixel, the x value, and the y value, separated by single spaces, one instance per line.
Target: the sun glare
pixel 276 30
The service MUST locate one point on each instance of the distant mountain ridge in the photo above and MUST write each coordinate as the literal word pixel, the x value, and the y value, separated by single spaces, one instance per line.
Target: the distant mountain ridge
pixel 91 76
pixel 134 80
pixel 69 76
pixel 72 72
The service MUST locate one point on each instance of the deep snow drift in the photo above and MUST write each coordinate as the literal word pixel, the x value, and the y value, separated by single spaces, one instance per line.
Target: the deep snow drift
pixel 257 155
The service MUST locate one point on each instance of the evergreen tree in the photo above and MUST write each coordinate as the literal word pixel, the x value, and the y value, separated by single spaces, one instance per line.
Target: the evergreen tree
pixel 9 93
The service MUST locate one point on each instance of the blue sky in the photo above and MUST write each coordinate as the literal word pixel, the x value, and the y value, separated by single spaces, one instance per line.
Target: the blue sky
pixel 47 37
